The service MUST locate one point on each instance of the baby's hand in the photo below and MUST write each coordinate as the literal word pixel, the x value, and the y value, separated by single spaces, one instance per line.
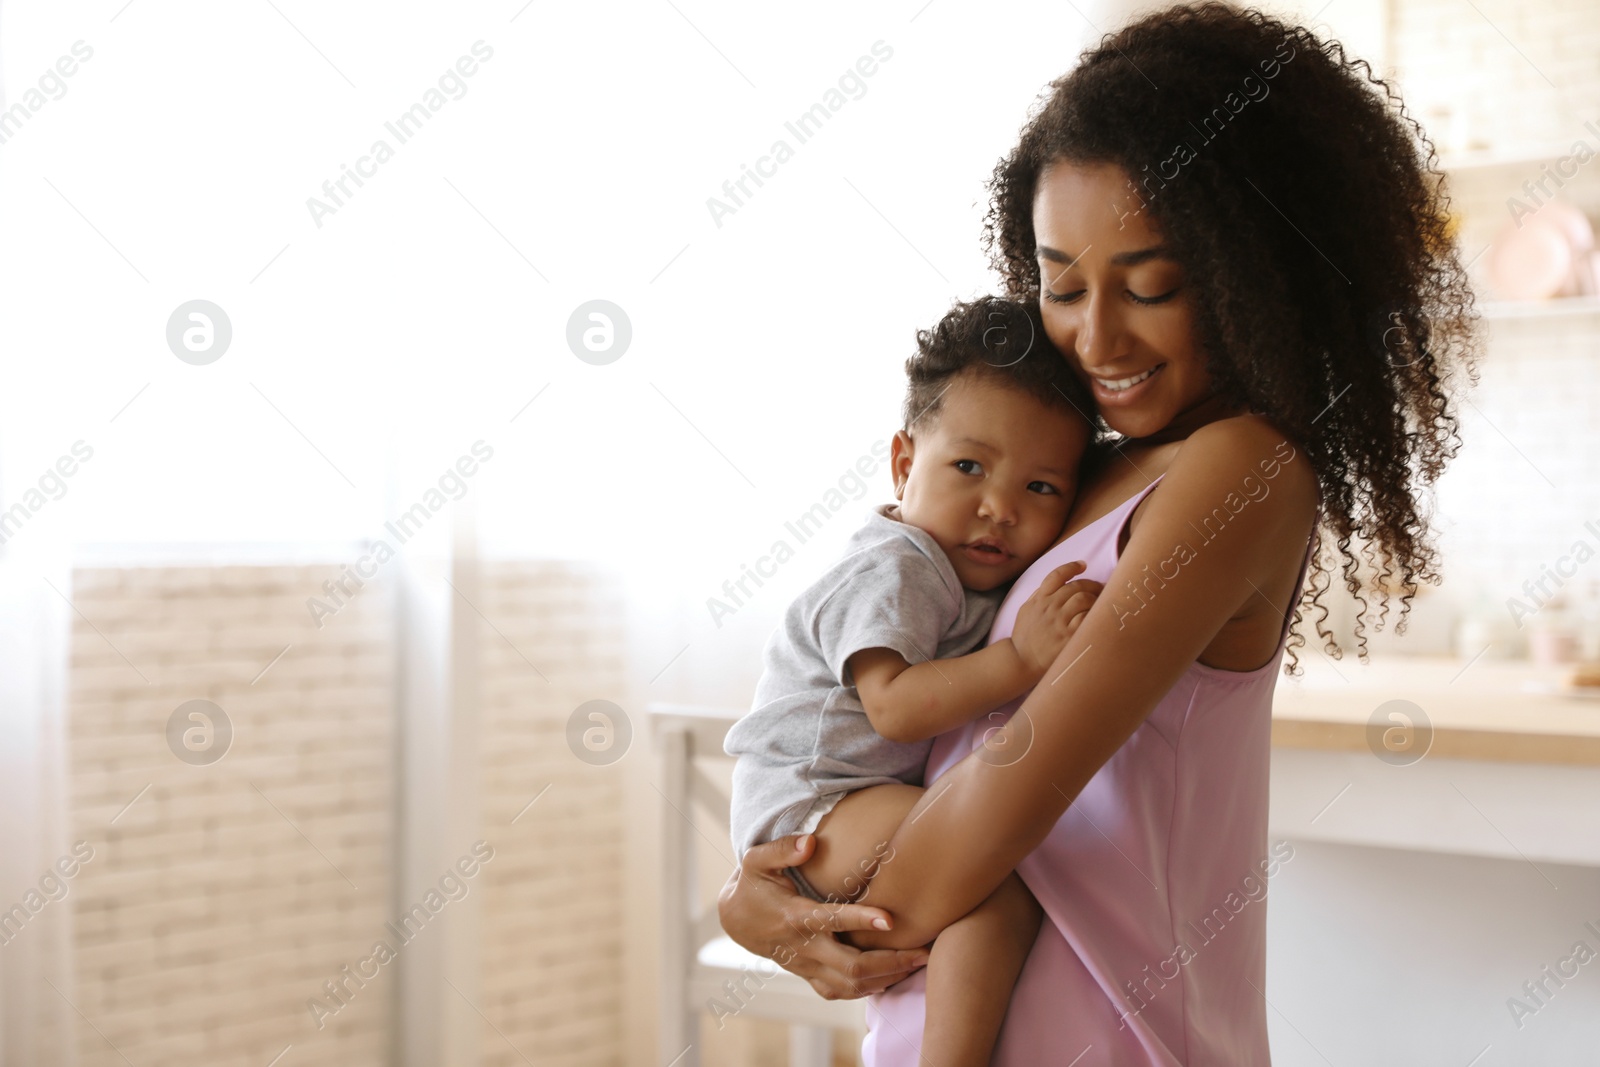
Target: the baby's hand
pixel 1052 615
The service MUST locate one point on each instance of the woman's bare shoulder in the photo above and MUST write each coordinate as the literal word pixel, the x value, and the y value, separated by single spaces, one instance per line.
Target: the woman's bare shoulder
pixel 1246 491
pixel 1251 446
pixel 1241 463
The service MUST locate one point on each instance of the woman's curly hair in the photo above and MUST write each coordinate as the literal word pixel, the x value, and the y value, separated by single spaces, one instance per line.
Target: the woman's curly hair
pixel 1308 214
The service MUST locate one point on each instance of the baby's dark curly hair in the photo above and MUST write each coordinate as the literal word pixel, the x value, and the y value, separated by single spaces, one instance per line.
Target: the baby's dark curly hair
pixel 1306 208
pixel 1002 340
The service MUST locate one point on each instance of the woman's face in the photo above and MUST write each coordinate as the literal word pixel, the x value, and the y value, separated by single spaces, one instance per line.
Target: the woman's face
pixel 1113 301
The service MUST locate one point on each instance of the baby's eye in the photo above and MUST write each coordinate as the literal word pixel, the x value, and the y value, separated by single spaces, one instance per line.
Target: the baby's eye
pixel 1046 487
pixel 963 470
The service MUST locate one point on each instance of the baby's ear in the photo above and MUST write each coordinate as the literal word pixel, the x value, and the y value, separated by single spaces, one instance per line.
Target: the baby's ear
pixel 900 461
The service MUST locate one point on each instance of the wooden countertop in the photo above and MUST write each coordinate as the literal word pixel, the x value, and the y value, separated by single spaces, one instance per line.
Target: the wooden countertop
pixel 1483 710
pixel 1505 710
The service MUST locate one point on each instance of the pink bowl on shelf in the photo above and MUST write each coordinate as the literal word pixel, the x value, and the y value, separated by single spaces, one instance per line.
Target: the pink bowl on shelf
pixel 1550 254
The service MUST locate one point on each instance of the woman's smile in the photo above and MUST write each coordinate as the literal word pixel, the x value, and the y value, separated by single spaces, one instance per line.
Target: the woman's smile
pixel 1122 391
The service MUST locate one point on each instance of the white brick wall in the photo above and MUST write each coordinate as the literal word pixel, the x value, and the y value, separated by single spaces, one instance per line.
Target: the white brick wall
pixel 1526 480
pixel 552 919
pixel 1518 72
pixel 205 920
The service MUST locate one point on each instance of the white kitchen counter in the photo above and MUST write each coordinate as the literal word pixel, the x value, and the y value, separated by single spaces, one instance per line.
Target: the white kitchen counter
pixel 1492 769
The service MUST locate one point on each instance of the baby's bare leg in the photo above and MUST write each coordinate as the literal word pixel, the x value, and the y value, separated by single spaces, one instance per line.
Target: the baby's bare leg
pixel 854 836
pixel 972 970
pixel 974 962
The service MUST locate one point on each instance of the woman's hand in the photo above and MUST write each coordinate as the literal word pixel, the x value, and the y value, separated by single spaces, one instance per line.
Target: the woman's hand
pixel 760 909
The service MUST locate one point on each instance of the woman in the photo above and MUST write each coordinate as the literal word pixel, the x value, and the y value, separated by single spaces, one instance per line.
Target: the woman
pixel 1235 244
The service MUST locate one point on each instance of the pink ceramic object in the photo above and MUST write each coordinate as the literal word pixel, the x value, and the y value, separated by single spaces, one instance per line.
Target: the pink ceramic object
pixel 1550 254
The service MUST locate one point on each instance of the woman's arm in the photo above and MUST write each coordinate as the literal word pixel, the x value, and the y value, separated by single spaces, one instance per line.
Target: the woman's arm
pixel 1166 600
pixel 908 703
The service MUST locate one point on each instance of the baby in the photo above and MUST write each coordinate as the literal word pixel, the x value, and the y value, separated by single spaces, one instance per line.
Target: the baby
pixel 877 657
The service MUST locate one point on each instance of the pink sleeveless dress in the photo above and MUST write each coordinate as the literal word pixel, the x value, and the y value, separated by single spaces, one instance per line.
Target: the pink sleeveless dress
pixel 1153 947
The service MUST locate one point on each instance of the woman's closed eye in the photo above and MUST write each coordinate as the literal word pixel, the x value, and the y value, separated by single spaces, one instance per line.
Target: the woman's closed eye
pixel 1068 298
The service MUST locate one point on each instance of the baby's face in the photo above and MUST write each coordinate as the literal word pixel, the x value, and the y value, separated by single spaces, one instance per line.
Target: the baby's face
pixel 992 479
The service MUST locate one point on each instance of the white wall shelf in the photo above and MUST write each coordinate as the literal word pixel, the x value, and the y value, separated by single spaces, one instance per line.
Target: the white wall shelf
pixel 1556 307
pixel 1529 158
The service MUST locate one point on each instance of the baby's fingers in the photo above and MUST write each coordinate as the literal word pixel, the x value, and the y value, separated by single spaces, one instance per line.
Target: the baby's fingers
pixel 1078 603
pixel 1081 587
pixel 1059 577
